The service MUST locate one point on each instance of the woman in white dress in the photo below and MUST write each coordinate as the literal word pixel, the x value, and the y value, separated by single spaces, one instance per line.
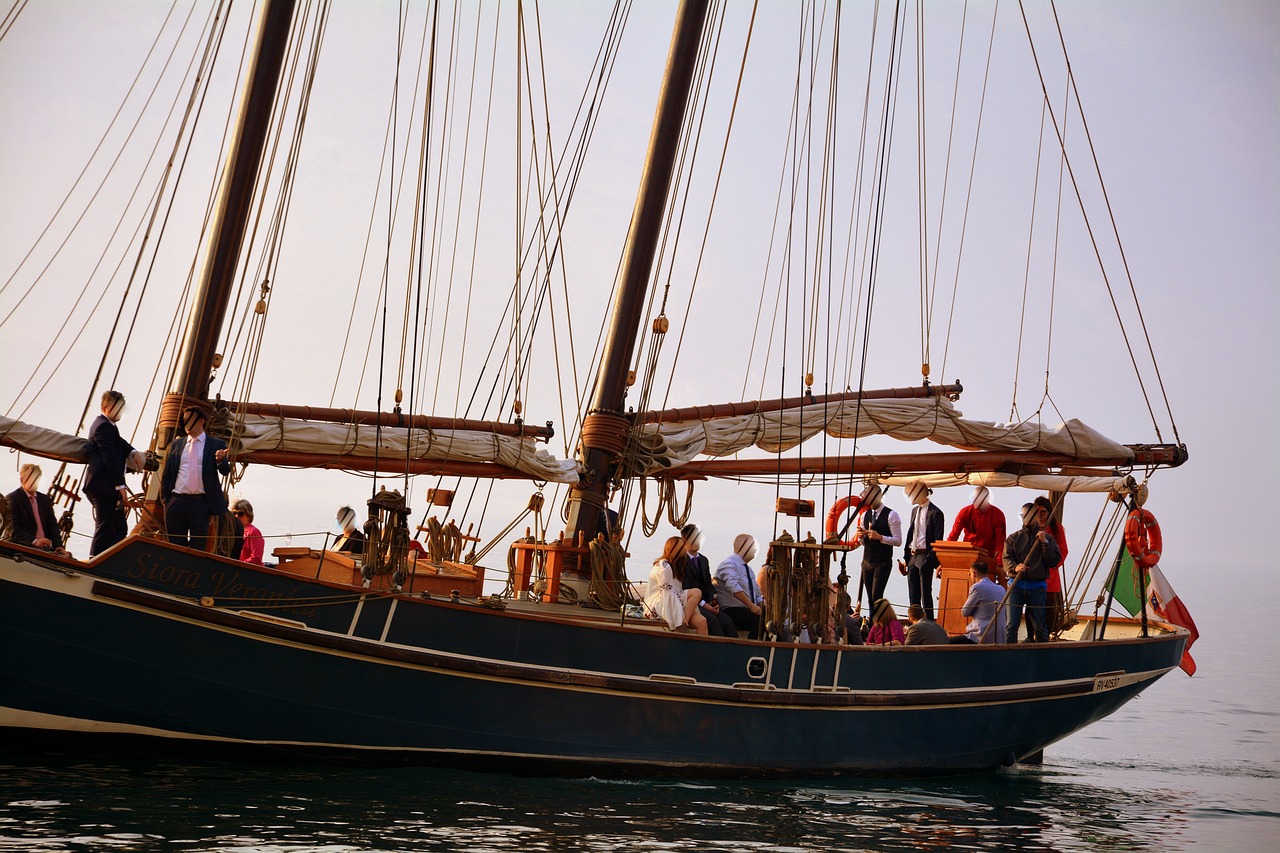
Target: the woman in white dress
pixel 667 597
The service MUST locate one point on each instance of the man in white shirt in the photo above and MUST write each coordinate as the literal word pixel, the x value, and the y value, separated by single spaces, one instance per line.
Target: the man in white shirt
pixel 190 488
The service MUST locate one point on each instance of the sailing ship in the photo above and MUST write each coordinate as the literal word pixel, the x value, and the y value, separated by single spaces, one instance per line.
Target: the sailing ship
pixel 397 654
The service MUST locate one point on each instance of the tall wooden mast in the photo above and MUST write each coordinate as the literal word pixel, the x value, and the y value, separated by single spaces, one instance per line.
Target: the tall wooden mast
pixel 605 427
pixel 209 306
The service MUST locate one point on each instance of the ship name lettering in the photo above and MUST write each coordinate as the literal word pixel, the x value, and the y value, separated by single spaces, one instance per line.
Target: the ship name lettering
pixel 152 569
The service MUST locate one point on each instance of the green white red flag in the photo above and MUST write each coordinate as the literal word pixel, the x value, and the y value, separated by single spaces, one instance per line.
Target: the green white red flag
pixel 1161 601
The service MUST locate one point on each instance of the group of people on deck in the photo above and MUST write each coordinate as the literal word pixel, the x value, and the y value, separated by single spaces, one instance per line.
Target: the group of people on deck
pixel 190 493
pixel 683 592
pixel 1028 560
pixel 1025 578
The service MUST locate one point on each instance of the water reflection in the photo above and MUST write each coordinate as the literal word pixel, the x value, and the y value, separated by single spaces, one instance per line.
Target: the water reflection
pixel 50 804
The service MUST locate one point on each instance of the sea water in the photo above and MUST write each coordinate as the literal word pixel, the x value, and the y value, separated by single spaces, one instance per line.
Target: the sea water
pixel 1193 763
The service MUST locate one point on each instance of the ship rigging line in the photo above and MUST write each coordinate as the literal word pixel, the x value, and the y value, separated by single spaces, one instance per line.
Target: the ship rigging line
pixel 880 181
pixel 1115 228
pixel 153 205
pixel 92 156
pixel 973 167
pixel 11 18
pixel 1093 240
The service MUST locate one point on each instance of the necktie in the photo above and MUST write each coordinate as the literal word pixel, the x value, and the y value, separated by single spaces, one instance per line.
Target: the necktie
pixel 751 584
pixel 35 512
pixel 192 486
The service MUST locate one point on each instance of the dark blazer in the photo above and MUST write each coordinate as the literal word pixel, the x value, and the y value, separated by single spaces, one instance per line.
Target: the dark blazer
pixel 108 453
pixel 354 543
pixel 697 573
pixel 24 522
pixel 934 523
pixel 210 468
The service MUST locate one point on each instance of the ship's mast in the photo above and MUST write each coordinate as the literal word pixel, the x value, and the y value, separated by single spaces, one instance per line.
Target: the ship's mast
pixel 605 426
pixel 209 306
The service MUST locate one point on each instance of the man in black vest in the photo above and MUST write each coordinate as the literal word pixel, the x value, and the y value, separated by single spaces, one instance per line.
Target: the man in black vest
pixel 190 488
pixel 879 532
pixel 927 524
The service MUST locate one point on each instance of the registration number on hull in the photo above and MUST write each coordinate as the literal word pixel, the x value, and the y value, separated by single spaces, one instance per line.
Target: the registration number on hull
pixel 1108 681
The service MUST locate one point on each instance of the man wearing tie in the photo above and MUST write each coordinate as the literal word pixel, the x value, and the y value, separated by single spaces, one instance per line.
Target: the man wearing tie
pixel 34 523
pixel 926 528
pixel 879 532
pixel 190 488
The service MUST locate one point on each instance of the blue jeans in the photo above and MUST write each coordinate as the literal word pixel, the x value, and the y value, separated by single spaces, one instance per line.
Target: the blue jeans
pixel 1033 600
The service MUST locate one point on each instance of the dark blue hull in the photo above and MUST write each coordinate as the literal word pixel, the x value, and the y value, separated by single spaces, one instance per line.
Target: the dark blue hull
pixel 186 650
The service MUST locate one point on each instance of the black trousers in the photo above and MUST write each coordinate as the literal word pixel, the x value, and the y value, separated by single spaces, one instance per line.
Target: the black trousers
pixel 109 524
pixel 920 569
pixel 875 577
pixel 743 620
pixel 186 521
pixel 719 624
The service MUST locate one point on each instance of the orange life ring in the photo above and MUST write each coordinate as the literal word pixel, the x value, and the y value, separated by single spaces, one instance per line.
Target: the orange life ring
pixel 1142 538
pixel 833 518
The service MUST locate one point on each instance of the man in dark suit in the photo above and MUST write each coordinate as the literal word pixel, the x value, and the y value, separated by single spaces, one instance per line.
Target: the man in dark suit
pixel 697 574
pixel 34 523
pixel 926 528
pixel 189 488
pixel 104 482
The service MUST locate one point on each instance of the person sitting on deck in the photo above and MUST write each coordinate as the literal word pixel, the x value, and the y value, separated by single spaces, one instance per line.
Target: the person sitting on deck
pixel 982 606
pixel 697 576
pixel 351 540
pixel 922 631
pixel 666 596
pixel 736 587
pixel 886 630
pixel 31 512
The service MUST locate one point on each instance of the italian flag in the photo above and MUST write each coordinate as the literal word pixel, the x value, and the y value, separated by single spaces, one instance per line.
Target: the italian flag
pixel 1160 599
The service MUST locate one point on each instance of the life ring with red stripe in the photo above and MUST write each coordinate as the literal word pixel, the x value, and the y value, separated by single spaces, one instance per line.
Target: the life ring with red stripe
pixel 1142 538
pixel 833 519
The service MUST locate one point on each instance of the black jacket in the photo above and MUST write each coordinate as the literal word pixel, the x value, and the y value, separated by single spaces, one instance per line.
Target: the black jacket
pixel 697 573
pixel 24 522
pixel 108 453
pixel 1020 547
pixel 934 523
pixel 210 468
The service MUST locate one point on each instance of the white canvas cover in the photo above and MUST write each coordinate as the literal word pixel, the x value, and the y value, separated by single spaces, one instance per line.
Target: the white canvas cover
pixel 42 442
pixel 303 436
pixel 937 419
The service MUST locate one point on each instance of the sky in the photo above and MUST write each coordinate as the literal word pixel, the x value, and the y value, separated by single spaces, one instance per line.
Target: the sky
pixel 1183 107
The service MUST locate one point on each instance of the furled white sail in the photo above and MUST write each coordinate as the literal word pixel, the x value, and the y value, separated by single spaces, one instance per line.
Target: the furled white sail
pixel 261 433
pixel 1000 480
pixel 670 445
pixel 42 442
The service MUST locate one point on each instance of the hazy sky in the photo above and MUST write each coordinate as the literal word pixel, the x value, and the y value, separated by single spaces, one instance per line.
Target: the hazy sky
pixel 1183 105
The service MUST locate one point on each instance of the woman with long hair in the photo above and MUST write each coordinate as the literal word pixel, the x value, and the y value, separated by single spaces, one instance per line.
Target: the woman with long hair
pixel 666 596
pixel 886 630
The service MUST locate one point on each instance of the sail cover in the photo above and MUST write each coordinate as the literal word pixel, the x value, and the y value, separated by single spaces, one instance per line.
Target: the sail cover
pixel 670 445
pixel 261 433
pixel 42 442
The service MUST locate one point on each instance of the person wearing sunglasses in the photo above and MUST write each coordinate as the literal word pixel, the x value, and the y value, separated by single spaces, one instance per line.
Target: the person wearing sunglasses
pixel 253 544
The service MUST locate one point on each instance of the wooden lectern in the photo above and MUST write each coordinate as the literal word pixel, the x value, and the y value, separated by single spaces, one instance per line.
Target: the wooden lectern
pixel 956 558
